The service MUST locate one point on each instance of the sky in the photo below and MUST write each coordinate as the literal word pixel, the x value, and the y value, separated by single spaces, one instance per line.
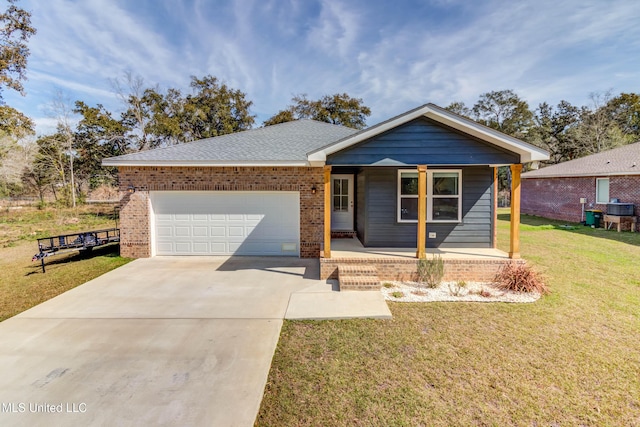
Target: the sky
pixel 394 55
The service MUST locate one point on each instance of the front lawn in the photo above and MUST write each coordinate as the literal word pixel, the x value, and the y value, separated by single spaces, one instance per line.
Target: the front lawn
pixel 22 283
pixel 572 358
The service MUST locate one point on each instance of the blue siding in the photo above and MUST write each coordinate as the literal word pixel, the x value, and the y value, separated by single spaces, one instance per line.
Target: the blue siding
pixel 361 213
pixel 381 229
pixel 422 141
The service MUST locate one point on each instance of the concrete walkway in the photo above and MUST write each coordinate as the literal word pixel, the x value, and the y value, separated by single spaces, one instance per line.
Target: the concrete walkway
pixel 180 341
pixel 323 302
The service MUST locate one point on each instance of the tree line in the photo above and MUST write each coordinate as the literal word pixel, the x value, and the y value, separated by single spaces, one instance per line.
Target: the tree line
pixel 566 131
pixel 67 162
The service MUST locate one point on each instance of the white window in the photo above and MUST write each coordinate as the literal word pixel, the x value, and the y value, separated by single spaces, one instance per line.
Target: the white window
pixel 444 195
pixel 602 190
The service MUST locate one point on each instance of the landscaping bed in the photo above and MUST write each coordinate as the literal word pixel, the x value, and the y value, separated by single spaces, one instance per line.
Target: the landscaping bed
pixel 453 291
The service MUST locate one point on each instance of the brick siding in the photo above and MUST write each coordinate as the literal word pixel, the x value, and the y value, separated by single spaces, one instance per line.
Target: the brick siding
pixel 135 232
pixel 559 198
pixel 407 269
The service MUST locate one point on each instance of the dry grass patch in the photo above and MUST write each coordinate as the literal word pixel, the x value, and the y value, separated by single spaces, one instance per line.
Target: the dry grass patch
pixel 569 359
pixel 29 223
pixel 22 283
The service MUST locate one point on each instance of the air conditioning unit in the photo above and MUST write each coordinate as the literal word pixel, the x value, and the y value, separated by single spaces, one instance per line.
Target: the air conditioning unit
pixel 620 209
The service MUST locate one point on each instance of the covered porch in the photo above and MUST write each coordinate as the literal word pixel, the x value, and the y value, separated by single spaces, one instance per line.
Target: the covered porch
pixel 421 223
pixel 360 268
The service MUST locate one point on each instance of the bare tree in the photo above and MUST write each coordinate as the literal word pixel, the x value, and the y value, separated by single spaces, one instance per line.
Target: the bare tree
pixel 18 156
pixel 62 111
pixel 132 93
pixel 598 131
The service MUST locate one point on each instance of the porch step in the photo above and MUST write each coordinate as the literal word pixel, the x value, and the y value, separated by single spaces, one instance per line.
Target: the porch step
pixel 359 283
pixel 357 270
pixel 358 278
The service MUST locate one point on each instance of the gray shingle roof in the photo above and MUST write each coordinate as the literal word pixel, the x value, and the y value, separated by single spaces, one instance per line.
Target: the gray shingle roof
pixel 285 143
pixel 619 161
pixel 307 142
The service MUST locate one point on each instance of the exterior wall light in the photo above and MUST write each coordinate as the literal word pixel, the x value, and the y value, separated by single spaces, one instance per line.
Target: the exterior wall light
pixel 314 190
pixel 131 189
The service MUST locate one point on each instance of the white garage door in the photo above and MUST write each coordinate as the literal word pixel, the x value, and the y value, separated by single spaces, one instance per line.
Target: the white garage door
pixel 226 223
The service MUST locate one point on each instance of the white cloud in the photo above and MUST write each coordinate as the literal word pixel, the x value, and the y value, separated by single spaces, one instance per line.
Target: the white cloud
pixel 500 47
pixel 97 39
pixel 395 57
pixel 336 29
pixel 45 125
pixel 72 85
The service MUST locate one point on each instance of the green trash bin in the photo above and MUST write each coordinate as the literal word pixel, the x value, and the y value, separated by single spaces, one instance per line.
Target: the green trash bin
pixel 593 217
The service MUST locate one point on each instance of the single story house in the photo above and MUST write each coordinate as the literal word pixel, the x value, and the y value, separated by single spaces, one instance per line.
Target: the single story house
pixel 424 179
pixel 556 191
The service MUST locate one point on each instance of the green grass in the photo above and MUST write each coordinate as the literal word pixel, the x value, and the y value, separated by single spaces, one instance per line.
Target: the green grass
pixel 572 358
pixel 22 283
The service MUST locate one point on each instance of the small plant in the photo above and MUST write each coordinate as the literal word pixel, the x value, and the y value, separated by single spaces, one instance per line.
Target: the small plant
pixel 388 285
pixel 520 278
pixel 484 293
pixel 481 292
pixel 419 292
pixel 397 294
pixel 456 288
pixel 431 271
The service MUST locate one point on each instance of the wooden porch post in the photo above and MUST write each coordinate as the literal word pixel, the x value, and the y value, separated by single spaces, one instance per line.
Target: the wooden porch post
pixel 422 211
pixel 495 207
pixel 514 251
pixel 327 211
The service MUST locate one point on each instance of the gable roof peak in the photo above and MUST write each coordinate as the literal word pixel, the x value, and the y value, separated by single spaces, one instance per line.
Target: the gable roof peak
pixel 527 152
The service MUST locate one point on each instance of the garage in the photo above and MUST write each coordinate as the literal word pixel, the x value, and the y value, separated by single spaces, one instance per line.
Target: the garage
pixel 225 223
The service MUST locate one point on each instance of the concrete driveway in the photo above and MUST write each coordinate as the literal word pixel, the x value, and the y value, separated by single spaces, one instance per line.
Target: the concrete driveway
pixel 180 341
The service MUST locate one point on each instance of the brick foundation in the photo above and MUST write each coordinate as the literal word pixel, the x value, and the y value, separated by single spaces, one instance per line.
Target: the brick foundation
pixel 480 270
pixel 135 231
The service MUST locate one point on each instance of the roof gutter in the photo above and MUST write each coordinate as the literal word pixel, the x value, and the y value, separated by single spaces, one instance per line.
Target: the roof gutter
pixel 203 163
pixel 581 175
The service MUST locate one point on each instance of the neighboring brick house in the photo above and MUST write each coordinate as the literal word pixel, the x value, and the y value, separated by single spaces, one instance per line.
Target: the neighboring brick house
pixel 282 190
pixel 555 191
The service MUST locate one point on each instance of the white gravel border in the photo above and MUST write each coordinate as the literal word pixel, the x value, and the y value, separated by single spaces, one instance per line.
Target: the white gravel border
pixel 415 292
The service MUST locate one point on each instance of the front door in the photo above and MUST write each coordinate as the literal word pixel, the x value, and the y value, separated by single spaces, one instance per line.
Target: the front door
pixel 342 202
